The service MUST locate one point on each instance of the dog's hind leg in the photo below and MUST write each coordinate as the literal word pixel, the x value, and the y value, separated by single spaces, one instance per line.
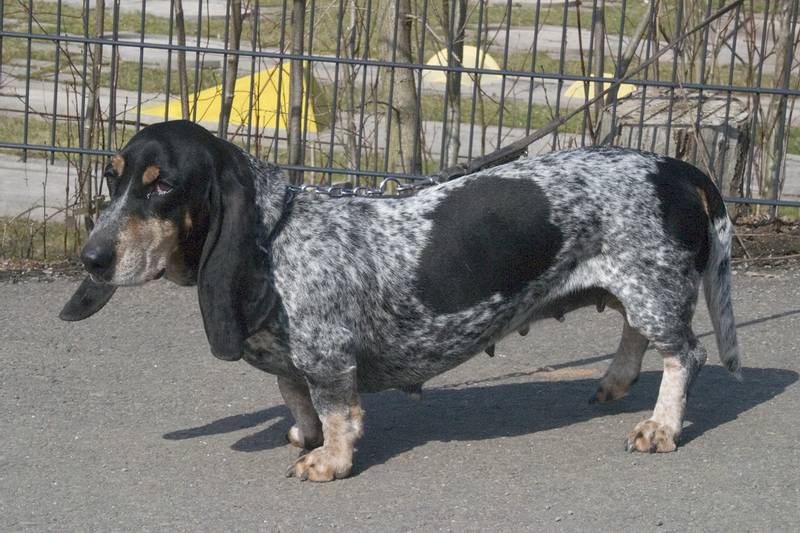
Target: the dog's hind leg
pixel 336 400
pixel 625 367
pixel 306 433
pixel 663 314
pixel 660 432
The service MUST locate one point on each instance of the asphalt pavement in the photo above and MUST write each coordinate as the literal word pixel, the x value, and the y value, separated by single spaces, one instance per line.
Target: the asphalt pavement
pixel 125 422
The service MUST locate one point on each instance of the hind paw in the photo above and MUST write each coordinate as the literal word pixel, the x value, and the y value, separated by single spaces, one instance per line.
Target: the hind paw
pixel 651 437
pixel 608 393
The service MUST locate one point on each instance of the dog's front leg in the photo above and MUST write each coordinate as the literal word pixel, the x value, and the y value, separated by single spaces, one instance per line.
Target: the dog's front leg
pixel 306 433
pixel 335 399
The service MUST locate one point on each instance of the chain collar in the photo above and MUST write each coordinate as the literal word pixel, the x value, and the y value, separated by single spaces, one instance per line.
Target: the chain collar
pixel 336 191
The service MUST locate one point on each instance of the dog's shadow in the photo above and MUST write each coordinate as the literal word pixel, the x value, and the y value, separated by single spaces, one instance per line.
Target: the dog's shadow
pixel 395 423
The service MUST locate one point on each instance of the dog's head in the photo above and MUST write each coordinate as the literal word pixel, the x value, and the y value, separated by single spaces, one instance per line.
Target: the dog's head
pixel 181 207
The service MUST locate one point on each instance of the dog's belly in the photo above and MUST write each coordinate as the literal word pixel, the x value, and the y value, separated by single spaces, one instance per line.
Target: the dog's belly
pixel 446 345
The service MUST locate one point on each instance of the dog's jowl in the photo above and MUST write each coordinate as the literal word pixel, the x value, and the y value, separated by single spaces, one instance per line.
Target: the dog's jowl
pixel 349 295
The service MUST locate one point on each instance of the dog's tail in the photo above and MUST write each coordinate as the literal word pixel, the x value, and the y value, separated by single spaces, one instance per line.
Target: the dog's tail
pixel 717 279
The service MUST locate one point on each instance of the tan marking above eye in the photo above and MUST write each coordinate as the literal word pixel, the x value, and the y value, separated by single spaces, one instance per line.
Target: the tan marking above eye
pixel 118 164
pixel 150 174
pixel 703 199
pixel 187 222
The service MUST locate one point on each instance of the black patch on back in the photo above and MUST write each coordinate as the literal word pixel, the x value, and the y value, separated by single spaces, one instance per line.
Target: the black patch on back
pixel 491 236
pixel 683 215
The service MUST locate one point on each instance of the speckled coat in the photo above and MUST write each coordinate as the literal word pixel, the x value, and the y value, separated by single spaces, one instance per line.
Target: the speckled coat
pixel 339 296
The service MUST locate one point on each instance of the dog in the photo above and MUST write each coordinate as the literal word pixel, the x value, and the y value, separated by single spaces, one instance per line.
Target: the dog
pixel 338 297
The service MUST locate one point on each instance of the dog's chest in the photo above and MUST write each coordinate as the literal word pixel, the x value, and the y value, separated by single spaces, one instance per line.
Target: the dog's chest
pixel 266 351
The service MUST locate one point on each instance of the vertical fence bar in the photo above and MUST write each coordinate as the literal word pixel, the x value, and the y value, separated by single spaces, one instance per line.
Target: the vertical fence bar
pixel 82 115
pixel 335 99
pixel 617 72
pixel 253 42
pixel 561 56
pixel 390 100
pixel 167 87
pixel 418 125
pixel 222 124
pixel 364 70
pixel 674 77
pixel 586 67
pixel 477 79
pixel 450 32
pixel 282 48
pixel 56 73
pixel 2 26
pixel 650 39
pixel 27 99
pixel 140 77
pixel 729 95
pixel 599 49
pixel 296 89
pixel 112 102
pixel 197 72
pixel 777 169
pixel 308 70
pixel 534 50
pixel 757 96
pixel 698 132
pixel 509 7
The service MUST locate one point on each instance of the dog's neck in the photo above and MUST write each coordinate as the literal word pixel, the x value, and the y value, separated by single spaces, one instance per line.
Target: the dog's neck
pixel 271 189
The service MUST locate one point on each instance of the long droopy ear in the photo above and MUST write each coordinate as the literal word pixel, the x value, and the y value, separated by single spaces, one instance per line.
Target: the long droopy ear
pixel 87 300
pixel 226 260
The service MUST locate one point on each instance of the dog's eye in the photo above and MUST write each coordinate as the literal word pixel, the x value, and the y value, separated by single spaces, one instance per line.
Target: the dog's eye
pixel 162 187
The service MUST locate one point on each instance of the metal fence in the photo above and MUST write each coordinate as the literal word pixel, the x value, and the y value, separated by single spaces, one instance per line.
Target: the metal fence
pixel 357 90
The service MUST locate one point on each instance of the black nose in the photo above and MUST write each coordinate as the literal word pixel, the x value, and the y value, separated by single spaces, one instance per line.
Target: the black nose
pixel 98 258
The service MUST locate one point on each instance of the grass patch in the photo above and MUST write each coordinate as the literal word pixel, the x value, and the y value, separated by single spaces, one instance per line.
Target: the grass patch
pixel 793 146
pixel 30 239
pixel 553 15
pixel 789 213
pixel 153 79
pixel 46 20
pixel 514 113
pixel 40 132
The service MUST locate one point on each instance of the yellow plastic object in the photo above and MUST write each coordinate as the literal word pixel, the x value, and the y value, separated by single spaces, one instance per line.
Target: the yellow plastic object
pixel 471 53
pixel 262 110
pixel 577 89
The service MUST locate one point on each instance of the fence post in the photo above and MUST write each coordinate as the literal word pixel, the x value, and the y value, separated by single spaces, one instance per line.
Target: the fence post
pixel 296 91
pixel 180 25
pixel 784 51
pixel 234 38
pixel 85 167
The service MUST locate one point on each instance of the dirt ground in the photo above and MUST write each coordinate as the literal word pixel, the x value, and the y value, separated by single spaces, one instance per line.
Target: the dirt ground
pixel 767 244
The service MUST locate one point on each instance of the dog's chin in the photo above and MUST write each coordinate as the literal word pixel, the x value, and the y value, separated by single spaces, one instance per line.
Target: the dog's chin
pixel 134 281
pixel 183 278
pixel 99 280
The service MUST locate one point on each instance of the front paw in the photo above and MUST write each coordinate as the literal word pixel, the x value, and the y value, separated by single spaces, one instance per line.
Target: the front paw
pixel 321 464
pixel 651 436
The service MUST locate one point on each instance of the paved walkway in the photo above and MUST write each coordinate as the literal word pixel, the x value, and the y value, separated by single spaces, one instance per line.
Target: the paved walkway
pixel 126 422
